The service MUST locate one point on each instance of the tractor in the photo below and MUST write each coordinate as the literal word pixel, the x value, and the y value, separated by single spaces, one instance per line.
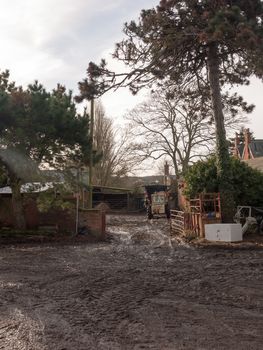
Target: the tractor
pixel 156 201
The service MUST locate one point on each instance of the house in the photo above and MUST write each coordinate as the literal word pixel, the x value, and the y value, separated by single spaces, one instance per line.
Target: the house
pixel 246 147
pixel 256 163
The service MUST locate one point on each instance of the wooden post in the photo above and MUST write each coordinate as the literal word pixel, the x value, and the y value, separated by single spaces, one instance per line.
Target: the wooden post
pixel 91 153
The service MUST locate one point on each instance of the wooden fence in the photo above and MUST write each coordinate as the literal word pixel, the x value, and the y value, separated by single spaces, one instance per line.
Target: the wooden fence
pixel 203 210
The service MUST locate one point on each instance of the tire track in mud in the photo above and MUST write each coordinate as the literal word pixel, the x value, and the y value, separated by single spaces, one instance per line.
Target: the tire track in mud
pixel 136 295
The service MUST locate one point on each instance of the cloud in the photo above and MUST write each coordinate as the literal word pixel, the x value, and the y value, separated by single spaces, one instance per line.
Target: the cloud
pixel 118 103
pixel 45 39
pixel 53 41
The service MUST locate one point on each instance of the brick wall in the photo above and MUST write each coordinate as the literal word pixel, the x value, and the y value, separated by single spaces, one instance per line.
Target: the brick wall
pixel 6 211
pixel 94 220
pixel 64 220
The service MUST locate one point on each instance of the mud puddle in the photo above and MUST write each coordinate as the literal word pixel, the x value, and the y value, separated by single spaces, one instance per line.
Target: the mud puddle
pixel 139 230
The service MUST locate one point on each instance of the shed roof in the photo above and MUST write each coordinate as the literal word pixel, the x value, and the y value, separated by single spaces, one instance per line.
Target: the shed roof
pixel 33 187
pixel 150 189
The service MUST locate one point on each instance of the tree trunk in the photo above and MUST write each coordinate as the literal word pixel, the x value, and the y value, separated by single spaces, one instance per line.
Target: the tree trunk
pixel 17 203
pixel 223 157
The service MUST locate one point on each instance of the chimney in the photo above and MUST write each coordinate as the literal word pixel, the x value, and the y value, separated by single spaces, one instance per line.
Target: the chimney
pixel 247 141
pixel 236 144
pixel 247 136
pixel 167 181
pixel 166 169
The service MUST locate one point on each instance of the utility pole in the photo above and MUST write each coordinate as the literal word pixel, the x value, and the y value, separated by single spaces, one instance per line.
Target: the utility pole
pixel 91 152
pixel 77 203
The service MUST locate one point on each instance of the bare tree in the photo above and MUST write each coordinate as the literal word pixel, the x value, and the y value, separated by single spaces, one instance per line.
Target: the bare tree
pixel 179 124
pixel 117 159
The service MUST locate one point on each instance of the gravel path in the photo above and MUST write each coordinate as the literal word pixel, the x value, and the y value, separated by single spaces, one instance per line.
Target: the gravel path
pixel 133 292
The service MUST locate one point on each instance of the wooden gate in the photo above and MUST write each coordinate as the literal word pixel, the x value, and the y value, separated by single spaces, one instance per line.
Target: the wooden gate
pixel 177 222
pixel 203 210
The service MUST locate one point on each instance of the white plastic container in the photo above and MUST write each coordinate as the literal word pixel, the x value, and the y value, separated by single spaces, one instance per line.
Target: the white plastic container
pixel 224 232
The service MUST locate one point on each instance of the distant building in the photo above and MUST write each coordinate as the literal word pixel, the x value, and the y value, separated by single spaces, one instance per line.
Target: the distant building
pixel 246 147
pixel 167 177
pixel 256 163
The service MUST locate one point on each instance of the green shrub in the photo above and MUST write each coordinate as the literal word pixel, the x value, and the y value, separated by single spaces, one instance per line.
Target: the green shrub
pixel 246 181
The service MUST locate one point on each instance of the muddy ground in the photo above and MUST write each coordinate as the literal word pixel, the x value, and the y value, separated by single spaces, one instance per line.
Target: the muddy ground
pixel 136 291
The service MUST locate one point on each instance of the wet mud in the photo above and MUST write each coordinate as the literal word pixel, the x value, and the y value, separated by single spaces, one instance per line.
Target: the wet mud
pixel 138 290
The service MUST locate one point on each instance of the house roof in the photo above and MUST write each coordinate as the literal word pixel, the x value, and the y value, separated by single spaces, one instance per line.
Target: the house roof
pixel 241 149
pixel 150 189
pixel 33 187
pixel 256 148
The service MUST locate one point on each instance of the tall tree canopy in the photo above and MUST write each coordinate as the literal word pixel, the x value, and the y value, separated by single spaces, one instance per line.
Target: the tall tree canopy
pixel 117 156
pixel 38 128
pixel 217 42
pixel 177 123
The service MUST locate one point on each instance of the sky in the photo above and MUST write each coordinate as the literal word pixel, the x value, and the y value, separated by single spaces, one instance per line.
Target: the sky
pixel 53 41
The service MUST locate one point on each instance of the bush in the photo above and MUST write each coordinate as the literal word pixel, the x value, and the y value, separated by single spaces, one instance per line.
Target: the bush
pixel 246 181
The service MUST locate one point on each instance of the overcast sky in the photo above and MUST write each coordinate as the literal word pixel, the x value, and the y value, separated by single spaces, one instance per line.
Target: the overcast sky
pixel 53 41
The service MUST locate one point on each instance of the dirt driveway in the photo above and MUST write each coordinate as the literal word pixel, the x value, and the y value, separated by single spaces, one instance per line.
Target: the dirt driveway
pixel 134 292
